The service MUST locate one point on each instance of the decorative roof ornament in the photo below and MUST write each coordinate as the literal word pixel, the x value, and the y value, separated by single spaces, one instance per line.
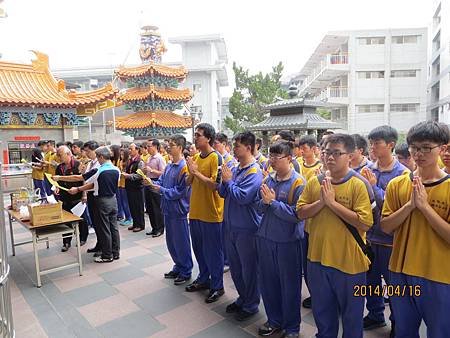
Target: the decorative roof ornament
pixel 152 46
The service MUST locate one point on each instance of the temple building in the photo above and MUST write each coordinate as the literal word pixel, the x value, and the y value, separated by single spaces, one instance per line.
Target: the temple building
pixel 35 106
pixel 152 92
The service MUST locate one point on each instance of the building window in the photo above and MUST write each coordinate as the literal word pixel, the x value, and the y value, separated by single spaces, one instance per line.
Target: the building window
pixel 404 73
pixel 371 41
pixel 197 87
pixel 196 109
pixel 370 108
pixel 405 39
pixel 371 75
pixel 402 107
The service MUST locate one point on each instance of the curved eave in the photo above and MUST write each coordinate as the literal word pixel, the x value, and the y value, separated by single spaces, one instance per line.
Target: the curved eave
pixel 135 94
pixel 179 73
pixel 162 119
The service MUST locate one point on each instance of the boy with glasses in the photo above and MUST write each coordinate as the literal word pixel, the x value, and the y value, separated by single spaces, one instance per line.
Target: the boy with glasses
pixel 278 244
pixel 382 142
pixel 416 211
pixel 175 207
pixel 336 261
pixel 206 214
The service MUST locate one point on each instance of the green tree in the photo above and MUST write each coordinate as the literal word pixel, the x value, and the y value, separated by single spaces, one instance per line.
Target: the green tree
pixel 252 92
pixel 325 113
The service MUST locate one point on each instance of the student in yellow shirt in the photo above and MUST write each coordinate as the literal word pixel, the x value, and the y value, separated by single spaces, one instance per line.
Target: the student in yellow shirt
pixel 337 264
pixel 143 151
pixel 51 162
pixel 206 214
pixel 417 213
pixel 310 164
pixel 38 167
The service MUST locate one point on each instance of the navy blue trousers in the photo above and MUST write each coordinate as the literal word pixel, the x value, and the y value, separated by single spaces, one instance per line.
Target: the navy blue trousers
pixel 207 245
pixel 430 302
pixel 279 269
pixel 39 184
pixel 332 293
pixel 179 245
pixel 375 304
pixel 241 248
pixel 304 245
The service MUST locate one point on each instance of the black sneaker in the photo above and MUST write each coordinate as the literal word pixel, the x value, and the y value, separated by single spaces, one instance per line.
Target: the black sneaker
pixel 181 280
pixel 65 247
pixel 157 234
pixel 243 315
pixel 116 257
pixel 233 308
pixel 214 295
pixel 196 286
pixel 267 330
pixel 97 254
pixel 307 303
pixel 370 324
pixel 103 260
pixel 171 275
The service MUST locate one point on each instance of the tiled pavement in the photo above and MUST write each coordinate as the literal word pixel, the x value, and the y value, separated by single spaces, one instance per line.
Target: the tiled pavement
pixel 127 298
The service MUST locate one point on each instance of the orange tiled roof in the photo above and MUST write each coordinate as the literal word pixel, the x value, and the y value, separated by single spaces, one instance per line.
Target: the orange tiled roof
pixel 155 118
pixel 150 69
pixel 34 85
pixel 137 93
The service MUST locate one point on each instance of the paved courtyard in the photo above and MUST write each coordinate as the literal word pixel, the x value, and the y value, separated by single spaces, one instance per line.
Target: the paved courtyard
pixel 128 298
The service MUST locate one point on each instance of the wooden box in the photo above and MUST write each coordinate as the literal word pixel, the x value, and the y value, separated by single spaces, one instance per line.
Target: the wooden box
pixel 45 214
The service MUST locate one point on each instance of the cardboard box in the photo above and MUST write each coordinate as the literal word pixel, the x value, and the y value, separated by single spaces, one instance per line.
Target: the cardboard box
pixel 45 214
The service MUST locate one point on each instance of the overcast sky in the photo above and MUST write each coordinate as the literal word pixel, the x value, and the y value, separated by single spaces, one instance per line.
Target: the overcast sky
pixel 258 34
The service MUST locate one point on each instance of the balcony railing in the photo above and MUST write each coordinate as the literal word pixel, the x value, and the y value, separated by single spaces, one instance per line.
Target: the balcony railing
pixel 332 92
pixel 329 59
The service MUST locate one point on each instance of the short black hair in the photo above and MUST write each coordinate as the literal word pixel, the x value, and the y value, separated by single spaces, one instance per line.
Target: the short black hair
pixel 42 143
pixel 309 140
pixel 385 133
pixel 286 135
pixel 155 143
pixel 246 138
pixel 208 131
pixel 222 138
pixel 179 140
pixel 360 143
pixel 258 142
pixel 402 149
pixel 79 144
pixel 346 140
pixel 91 145
pixel 143 145
pixel 59 144
pixel 428 131
pixel 282 147
pixel 68 144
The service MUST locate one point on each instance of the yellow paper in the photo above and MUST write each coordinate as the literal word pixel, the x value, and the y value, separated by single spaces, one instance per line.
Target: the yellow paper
pixel 140 172
pixel 54 183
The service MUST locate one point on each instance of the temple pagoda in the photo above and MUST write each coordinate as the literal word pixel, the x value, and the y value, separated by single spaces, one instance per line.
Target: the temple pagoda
pixel 152 92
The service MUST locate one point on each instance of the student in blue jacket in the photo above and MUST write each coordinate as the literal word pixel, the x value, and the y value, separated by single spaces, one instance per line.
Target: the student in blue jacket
pixel 240 187
pixel 278 244
pixel 175 207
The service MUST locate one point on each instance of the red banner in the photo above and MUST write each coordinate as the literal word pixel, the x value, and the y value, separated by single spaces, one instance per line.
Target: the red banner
pixel 27 138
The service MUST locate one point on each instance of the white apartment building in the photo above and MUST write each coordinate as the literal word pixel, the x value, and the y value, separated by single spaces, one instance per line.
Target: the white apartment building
pixel 369 77
pixel 439 65
pixel 206 58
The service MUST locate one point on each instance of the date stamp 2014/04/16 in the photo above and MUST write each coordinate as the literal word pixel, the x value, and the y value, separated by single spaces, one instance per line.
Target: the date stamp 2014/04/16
pixel 387 290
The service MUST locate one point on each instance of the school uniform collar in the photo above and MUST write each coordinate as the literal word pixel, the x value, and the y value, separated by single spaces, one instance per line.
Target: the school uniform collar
pixel 247 166
pixel 394 164
pixel 273 175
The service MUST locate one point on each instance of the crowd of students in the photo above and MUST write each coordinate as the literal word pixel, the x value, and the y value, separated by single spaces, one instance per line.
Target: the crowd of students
pixel 345 213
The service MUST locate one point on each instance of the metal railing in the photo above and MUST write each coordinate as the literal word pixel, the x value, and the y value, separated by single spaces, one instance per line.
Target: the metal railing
pixel 6 320
pixel 331 92
pixel 329 59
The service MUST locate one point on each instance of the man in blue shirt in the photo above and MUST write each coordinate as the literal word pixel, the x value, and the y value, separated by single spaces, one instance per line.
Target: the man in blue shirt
pixel 175 207
pixel 240 187
pixel 105 181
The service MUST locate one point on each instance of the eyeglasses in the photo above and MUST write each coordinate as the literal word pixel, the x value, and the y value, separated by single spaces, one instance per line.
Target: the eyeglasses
pixel 334 153
pixel 276 158
pixel 422 150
